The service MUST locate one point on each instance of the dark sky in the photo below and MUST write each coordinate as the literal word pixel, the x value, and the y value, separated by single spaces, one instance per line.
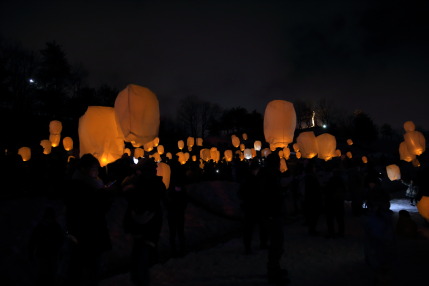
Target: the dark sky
pixel 370 55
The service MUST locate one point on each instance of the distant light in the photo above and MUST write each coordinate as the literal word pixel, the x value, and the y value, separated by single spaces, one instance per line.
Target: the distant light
pixel 324 126
pixel 136 160
pixel 31 80
pixel 217 170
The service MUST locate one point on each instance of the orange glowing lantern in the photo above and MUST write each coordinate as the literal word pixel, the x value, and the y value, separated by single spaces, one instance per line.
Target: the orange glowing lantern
pixel 280 153
pixel 137 114
pixel 286 153
pixel 199 142
pixel 409 126
pixel 257 145
pixel 156 157
pixel 393 172
pixel 404 154
pixel 228 155
pixel 163 170
pixel 190 142
pixel 247 154
pixel 55 139
pixel 155 142
pixel 180 144
pixel 295 147
pixel 148 147
pixel 127 151
pixel 349 142
pixel 169 155
pixel 100 135
pixel 47 147
pixel 25 153
pixel 181 157
pixel 253 152
pixel 55 127
pixel 242 147
pixel 138 153
pixel 283 165
pixel 416 142
pixel 307 144
pixel 349 155
pixel 298 155
pixel 244 136
pixel 416 162
pixel 326 144
pixel 205 154
pixel 194 158
pixel 235 141
pixel 364 159
pixel 160 149
pixel 279 123
pixel 265 152
pixel 423 207
pixel 338 153
pixel 68 143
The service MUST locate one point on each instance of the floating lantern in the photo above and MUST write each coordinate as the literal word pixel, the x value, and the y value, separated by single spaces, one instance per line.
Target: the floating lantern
pixel 25 153
pixel 257 145
pixel 280 153
pixel 214 154
pixel 190 142
pixel 298 155
pixel 307 144
pixel 55 139
pixel 404 154
pixel 265 152
pixel 393 172
pixel 416 162
pixel 148 147
pixel 200 142
pixel 180 144
pixel 349 155
pixel 194 158
pixel 235 141
pixel 137 114
pixel 155 142
pixel 163 170
pixel 423 207
pixel 100 135
pixel 244 136
pixel 242 147
pixel 205 154
pixel 55 127
pixel 283 165
pixel 156 157
pixel 68 143
pixel 326 144
pixel 279 123
pixel 47 146
pixel 228 155
pixel 286 153
pixel 127 151
pixel 169 156
pixel 138 153
pixel 364 159
pixel 247 154
pixel 409 126
pixel 415 141
pixel 181 157
pixel 349 142
pixel 160 149
pixel 253 152
pixel 338 153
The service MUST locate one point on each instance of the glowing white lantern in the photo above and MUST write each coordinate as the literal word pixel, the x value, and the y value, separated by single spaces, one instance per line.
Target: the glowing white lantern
pixel 137 114
pixel 393 172
pixel 279 123
pixel 326 144
pixel 307 144
pixel 163 170
pixel 247 154
pixel 25 153
pixel 257 145
pixel 100 135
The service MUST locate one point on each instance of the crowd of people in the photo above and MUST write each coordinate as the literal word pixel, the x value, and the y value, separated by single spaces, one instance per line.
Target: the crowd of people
pixel 318 189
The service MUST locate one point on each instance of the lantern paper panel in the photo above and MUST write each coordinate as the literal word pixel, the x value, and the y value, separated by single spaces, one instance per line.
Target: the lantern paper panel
pixel 25 153
pixel 100 135
pixel 279 123
pixel 393 172
pixel 137 113
pixel 163 170
pixel 416 142
pixel 326 146
pixel 307 144
pixel 423 207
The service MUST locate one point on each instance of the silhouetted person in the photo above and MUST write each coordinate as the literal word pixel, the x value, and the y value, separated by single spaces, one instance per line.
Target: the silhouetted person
pixel 312 198
pixel 145 193
pixel 334 204
pixel 273 211
pixel 87 202
pixel 406 227
pixel 176 206
pixel 45 243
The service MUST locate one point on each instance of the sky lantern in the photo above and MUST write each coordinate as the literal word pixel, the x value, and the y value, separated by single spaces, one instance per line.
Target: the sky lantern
pixel 235 141
pixel 393 172
pixel 338 153
pixel 160 149
pixel 257 145
pixel 148 147
pixel 409 126
pixel 100 135
pixel 68 143
pixel 127 151
pixel 163 170
pixel 272 147
pixel 295 147
pixel 244 136
pixel 265 152
pixel 415 141
pixel 55 139
pixel 180 144
pixel 214 154
pixel 326 145
pixel 199 142
pixel 228 155
pixel 47 147
pixel 307 144
pixel 416 162
pixel 169 155
pixel 137 114
pixel 25 153
pixel 247 154
pixel 364 159
pixel 55 127
pixel 349 155
pixel 286 153
pixel 349 142
pixel 242 147
pixel 155 142
pixel 138 152
pixel 254 154
pixel 298 155
pixel 181 157
pixel 404 154
pixel 281 153
pixel 283 165
pixel 194 158
pixel 205 154
pixel 190 142
pixel 423 207
pixel 279 123
pixel 156 157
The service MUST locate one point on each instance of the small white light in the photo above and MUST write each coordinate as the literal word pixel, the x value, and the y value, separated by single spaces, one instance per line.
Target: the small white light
pixel 217 170
pixel 31 80
pixel 324 126
pixel 136 160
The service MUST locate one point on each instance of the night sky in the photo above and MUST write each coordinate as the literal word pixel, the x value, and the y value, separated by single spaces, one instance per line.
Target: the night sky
pixel 369 55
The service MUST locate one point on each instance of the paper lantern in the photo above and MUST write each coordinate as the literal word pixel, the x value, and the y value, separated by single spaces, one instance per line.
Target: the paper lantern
pixel 280 153
pixel 100 135
pixel 364 159
pixel 404 154
pixel 416 162
pixel 155 142
pixel 253 152
pixel 273 147
pixel 244 136
pixel 194 158
pixel 138 153
pixel 180 144
pixel 137 114
pixel 307 144
pixel 241 156
pixel 169 155
pixel 25 153
pixel 326 145
pixel 228 155
pixel 338 153
pixel 127 151
pixel 279 123
pixel 415 141
pixel 55 139
pixel 200 142
pixel 257 145
pixel 409 126
pixel 181 157
pixel 163 170
pixel 135 144
pixel 68 143
pixel 235 141
pixel 187 156
pixel 283 165
pixel 156 157
pixel 349 155
pixel 205 154
pixel 349 142
pixel 286 153
pixel 393 172
pixel 148 147
pixel 160 149
pixel 247 154
pixel 265 152
pixel 298 155
pixel 47 147
pixel 55 127
pixel 190 141
pixel 295 147
pixel 242 147
pixel 423 207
